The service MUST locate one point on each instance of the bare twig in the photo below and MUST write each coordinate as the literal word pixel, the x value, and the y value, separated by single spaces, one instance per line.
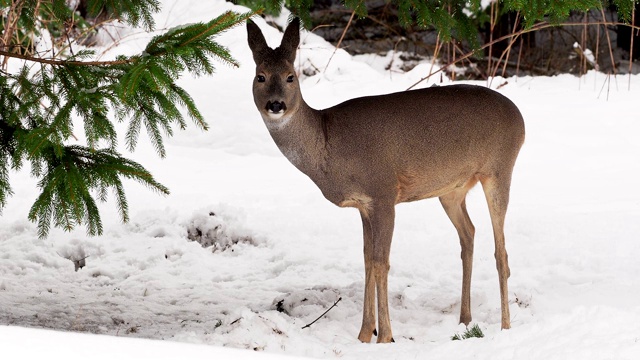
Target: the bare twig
pixel 536 27
pixel 633 22
pixel 513 41
pixel 393 56
pixel 469 54
pixel 519 56
pixel 492 25
pixel 597 51
pixel 320 27
pixel 613 62
pixel 368 16
pixel 323 314
pixel 435 54
pixel 64 62
pixel 459 50
pixel 353 13
pixel 583 41
pixel 607 81
pixel 13 16
pixel 505 55
pixel 451 50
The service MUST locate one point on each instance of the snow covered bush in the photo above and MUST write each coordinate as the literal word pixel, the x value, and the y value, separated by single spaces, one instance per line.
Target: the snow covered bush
pixel 77 251
pixel 220 228
pixel 308 304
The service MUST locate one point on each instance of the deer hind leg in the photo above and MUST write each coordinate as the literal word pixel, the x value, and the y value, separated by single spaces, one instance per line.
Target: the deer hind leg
pixel 496 190
pixel 455 206
pixel 378 224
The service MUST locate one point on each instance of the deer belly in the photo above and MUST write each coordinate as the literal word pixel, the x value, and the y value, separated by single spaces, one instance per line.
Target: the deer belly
pixel 412 187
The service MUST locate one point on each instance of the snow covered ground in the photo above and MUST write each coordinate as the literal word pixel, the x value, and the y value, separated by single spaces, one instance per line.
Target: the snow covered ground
pixel 285 254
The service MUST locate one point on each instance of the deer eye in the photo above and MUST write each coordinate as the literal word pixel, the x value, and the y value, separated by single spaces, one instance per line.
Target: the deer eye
pixel 260 78
pixel 290 78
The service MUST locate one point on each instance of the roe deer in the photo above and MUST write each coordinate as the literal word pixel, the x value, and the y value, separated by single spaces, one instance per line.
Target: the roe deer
pixel 374 152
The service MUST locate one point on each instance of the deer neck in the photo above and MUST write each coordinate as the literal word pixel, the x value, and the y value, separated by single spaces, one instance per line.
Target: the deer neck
pixel 300 137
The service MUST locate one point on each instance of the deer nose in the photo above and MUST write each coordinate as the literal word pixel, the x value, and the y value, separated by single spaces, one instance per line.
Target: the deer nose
pixel 276 106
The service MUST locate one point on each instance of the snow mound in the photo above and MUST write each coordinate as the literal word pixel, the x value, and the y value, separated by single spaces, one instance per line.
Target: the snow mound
pixel 220 228
pixel 77 251
pixel 304 303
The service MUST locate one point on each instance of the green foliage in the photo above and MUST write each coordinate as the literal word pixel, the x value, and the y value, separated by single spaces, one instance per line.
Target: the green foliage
pixel 625 9
pixel 461 19
pixel 134 12
pixel 358 6
pixel 68 180
pixel 555 11
pixel 298 7
pixel 473 332
pixel 41 103
pixel 33 16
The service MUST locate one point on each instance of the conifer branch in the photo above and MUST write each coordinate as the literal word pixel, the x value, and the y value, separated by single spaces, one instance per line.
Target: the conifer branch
pixel 214 24
pixel 59 62
pixel 39 105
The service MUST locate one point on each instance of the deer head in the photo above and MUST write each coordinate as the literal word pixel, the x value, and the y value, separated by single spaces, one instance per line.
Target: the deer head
pixel 276 90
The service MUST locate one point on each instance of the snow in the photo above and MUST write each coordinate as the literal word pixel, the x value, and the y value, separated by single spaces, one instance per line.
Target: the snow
pixel 587 54
pixel 282 254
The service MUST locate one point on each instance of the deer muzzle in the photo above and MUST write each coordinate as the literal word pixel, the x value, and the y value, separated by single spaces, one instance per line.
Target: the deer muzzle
pixel 276 106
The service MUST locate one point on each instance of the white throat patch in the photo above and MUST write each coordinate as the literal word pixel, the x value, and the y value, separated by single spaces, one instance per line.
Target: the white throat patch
pixel 276 121
pixel 275 116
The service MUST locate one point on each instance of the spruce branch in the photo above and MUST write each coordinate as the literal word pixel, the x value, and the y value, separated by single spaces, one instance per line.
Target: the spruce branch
pixel 39 106
pixel 5 186
pixel 66 188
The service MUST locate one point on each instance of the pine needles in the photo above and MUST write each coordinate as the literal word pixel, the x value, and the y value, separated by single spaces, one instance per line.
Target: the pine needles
pixel 472 332
pixel 39 103
pixel 67 183
pixel 463 20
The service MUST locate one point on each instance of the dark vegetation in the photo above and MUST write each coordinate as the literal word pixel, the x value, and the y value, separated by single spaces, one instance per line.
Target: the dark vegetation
pixel 507 38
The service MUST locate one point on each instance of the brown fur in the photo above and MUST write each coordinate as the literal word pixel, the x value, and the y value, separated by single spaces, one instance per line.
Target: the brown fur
pixel 374 152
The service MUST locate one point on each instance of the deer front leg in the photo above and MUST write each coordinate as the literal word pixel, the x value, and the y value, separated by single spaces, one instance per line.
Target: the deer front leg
pixel 377 223
pixel 369 311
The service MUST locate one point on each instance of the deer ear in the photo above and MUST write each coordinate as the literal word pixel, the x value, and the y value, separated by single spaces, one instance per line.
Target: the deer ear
pixel 291 40
pixel 257 43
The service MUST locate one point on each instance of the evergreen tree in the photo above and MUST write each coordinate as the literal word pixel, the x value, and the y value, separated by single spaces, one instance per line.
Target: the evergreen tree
pixel 461 19
pixel 39 101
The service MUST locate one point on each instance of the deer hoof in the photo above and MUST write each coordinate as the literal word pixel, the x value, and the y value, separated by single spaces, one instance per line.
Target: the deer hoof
pixel 382 339
pixel 365 336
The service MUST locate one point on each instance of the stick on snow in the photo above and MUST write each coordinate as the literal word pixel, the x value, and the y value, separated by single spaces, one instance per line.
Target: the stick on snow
pixel 323 314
